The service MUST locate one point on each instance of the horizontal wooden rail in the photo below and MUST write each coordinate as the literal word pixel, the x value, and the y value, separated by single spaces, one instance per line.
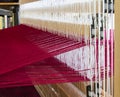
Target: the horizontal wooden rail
pixel 8 3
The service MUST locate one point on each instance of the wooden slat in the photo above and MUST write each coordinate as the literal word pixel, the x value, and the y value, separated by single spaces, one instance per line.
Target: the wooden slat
pixel 117 50
pixel 7 3
pixel 70 90
pixel 26 1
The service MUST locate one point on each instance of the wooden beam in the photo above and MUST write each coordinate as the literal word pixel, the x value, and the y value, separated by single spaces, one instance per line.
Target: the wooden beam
pixel 26 1
pixel 117 50
pixel 39 90
pixel 51 90
pixel 8 3
pixel 71 90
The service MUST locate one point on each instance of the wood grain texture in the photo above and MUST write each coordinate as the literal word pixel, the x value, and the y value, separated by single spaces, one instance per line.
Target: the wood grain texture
pixel 117 50
pixel 70 90
pixel 8 3
pixel 26 1
pixel 50 90
pixel 13 3
pixel 59 90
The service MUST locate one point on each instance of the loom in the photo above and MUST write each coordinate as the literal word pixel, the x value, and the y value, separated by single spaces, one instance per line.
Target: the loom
pixel 59 45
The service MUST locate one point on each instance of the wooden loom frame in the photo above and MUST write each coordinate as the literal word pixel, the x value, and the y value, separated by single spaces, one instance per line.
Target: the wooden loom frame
pixel 117 47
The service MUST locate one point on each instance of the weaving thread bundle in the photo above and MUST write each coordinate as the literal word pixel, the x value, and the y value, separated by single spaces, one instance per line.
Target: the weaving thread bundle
pixel 28 47
pixel 49 49
pixel 18 43
pixel 74 41
pixel 67 71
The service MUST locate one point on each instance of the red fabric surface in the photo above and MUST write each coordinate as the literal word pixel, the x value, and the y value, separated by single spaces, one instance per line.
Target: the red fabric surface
pixel 22 45
pixel 25 57
pixel 49 71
